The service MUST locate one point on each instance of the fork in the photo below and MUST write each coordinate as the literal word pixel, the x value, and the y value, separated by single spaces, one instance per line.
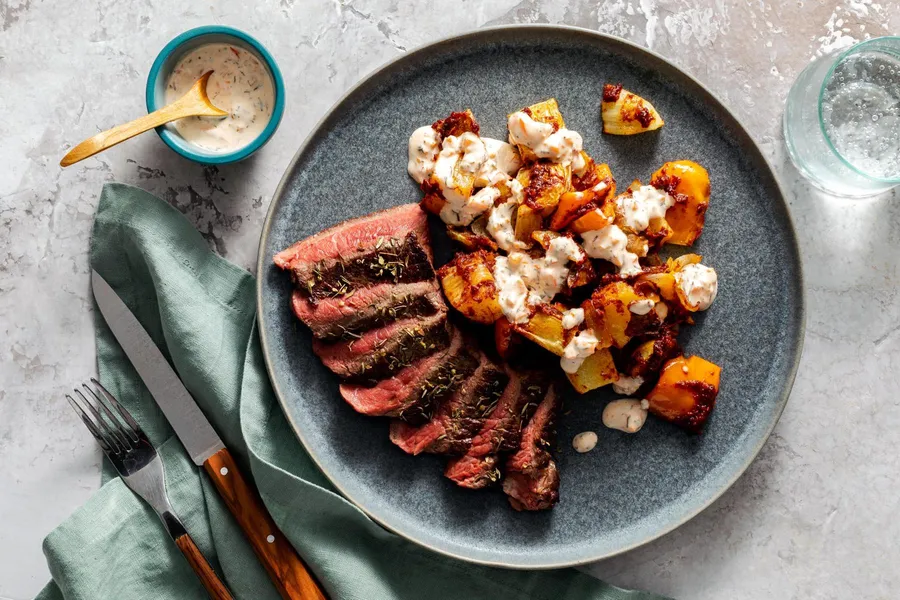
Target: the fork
pixel 134 457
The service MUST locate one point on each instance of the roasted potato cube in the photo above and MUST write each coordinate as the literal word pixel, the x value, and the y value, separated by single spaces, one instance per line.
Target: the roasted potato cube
pixel 543 185
pixel 468 284
pixel 688 183
pixel 613 305
pixel 545 329
pixel 542 112
pixel 547 112
pixel 469 239
pixel 457 123
pixel 596 371
pixel 647 359
pixel 686 392
pixel 664 281
pixel 527 222
pixel 625 113
pixel 594 174
pixel 544 237
pixel 433 201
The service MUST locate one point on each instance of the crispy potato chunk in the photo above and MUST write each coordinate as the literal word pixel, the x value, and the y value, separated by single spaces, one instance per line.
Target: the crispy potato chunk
pixel 527 222
pixel 596 371
pixel 545 329
pixel 542 112
pixel 544 184
pixel 457 123
pixel 686 392
pixel 625 113
pixel 468 283
pixel 664 281
pixel 688 183
pixel 612 305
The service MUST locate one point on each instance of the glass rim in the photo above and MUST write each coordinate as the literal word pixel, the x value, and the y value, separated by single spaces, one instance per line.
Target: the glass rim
pixel 855 48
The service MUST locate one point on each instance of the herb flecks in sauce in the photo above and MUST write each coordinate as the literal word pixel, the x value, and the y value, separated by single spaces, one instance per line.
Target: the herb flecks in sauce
pixel 240 84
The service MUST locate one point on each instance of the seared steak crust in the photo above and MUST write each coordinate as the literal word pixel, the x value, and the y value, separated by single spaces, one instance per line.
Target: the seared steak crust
pixel 380 352
pixel 500 431
pixel 376 306
pixel 531 479
pixel 458 417
pixel 390 260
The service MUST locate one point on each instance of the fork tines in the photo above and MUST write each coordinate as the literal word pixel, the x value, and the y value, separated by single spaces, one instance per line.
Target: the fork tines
pixel 113 435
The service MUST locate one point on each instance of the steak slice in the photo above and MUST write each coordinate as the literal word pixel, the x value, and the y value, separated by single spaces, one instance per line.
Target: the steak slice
pixel 350 237
pixel 379 352
pixel 389 260
pixel 531 480
pixel 335 318
pixel 411 392
pixel 458 417
pixel 500 431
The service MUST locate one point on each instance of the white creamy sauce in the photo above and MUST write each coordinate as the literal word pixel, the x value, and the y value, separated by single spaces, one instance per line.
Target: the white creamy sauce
pixel 572 318
pixel 627 385
pixel 548 274
pixel 511 288
pixel 643 205
pixel 424 146
pixel 698 286
pixel 625 415
pixel 465 213
pixel 641 307
pixel 562 146
pixel 523 281
pixel 500 227
pixel 577 350
pixel 584 441
pixel 240 84
pixel 460 159
pixel 502 162
pixel 610 243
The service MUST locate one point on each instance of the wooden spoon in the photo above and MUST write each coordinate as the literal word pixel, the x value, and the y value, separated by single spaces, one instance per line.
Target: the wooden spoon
pixel 193 104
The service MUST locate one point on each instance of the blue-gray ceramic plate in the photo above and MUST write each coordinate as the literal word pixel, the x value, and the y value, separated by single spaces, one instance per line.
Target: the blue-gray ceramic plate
pixel 631 488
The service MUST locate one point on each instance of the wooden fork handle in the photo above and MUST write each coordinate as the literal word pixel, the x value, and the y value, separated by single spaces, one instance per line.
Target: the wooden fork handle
pixel 285 567
pixel 208 577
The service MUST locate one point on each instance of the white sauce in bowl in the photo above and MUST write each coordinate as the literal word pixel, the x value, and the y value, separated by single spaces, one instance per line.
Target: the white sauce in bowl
pixel 240 84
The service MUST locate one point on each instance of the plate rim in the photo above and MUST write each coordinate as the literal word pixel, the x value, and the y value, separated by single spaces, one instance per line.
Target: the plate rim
pixel 387 67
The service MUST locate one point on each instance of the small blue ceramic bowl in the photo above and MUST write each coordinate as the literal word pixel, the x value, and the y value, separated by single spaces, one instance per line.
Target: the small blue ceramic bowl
pixel 169 57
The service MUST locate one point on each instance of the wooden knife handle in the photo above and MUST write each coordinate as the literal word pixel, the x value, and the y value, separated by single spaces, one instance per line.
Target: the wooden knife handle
pixel 208 577
pixel 285 568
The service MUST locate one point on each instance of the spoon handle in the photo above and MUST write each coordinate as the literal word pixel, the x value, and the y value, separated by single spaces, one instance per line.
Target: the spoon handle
pixel 120 133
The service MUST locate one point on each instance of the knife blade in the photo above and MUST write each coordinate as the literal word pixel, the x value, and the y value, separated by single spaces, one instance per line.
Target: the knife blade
pixel 281 561
pixel 183 414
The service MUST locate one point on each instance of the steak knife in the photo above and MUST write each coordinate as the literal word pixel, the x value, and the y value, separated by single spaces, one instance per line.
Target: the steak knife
pixel 284 566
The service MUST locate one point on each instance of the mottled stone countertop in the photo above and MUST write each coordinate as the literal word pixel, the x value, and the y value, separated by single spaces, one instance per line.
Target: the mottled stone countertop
pixel 813 517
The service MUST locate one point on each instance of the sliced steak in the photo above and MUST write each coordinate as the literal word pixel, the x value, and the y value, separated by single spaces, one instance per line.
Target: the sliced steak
pixel 389 260
pixel 458 417
pixel 350 237
pixel 380 352
pixel 411 392
pixel 500 431
pixel 531 479
pixel 335 318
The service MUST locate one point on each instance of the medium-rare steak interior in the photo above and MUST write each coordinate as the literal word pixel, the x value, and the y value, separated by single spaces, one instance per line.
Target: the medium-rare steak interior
pixel 367 290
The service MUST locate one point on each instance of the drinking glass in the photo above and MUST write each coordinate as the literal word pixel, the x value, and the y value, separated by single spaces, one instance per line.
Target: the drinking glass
pixel 842 119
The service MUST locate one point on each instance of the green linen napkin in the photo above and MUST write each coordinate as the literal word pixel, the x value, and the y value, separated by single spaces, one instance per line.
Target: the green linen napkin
pixel 200 310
